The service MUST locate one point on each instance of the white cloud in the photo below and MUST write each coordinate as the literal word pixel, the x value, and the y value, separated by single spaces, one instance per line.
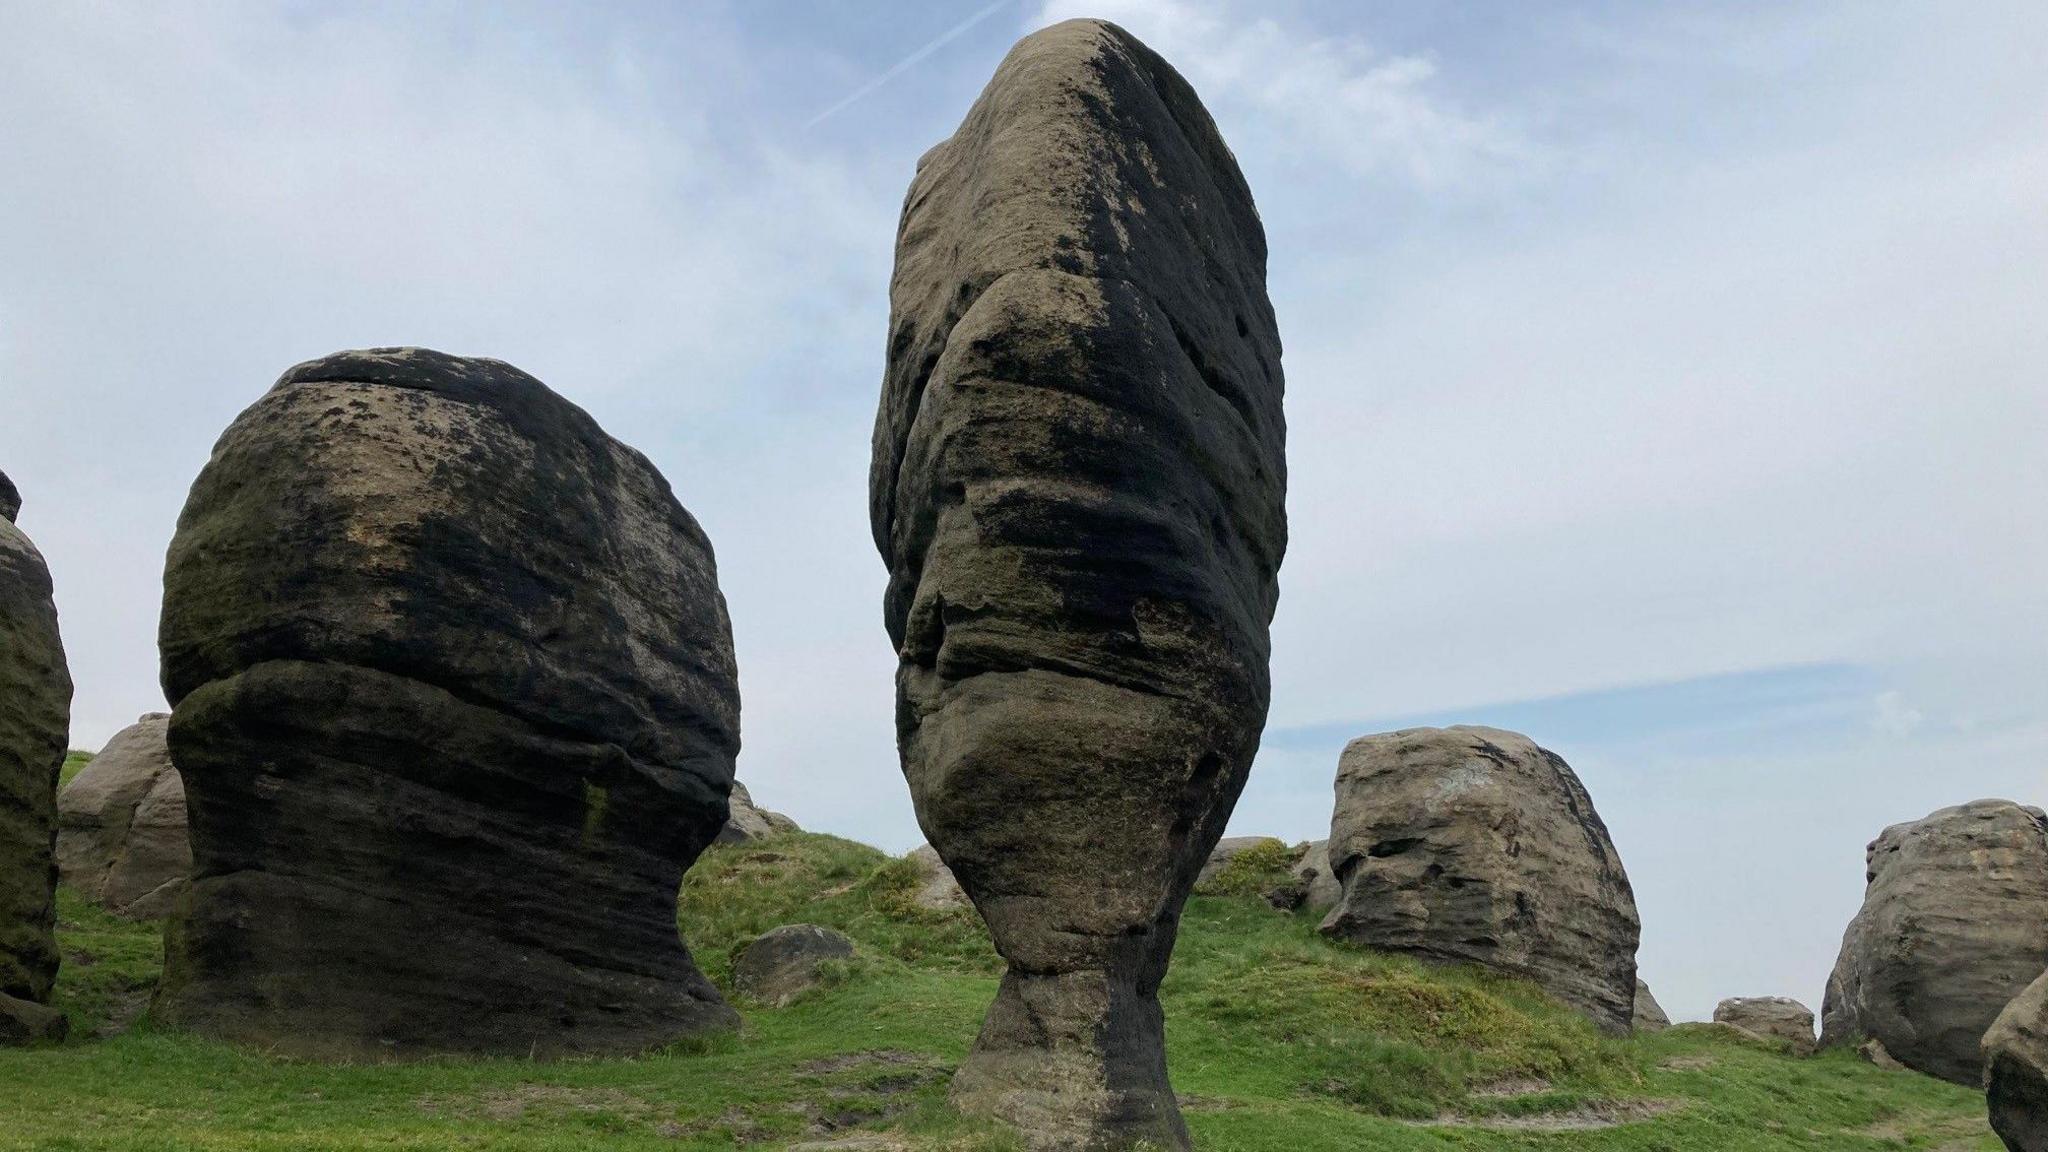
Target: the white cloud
pixel 1893 717
pixel 1317 98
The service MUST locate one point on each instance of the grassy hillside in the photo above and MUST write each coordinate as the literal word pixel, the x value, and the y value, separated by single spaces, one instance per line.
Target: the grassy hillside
pixel 74 763
pixel 1278 1040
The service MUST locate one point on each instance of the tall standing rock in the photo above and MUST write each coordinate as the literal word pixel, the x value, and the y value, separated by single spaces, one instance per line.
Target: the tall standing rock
pixel 121 829
pixel 35 724
pixel 455 704
pixel 1954 924
pixel 1474 845
pixel 1078 486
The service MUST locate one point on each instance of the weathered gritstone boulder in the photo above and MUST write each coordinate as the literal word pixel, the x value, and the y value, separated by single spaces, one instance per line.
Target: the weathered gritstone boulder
pixel 35 723
pixel 2016 1070
pixel 1954 924
pixel 454 699
pixel 1473 845
pixel 937 889
pixel 1648 1015
pixel 1770 1018
pixel 784 963
pixel 121 836
pixel 1078 485
pixel 1318 880
pixel 748 823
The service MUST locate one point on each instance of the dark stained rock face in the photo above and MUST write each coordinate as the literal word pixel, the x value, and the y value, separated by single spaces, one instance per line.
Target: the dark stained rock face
pixel 784 963
pixel 35 723
pixel 1648 1014
pixel 121 836
pixel 455 705
pixel 1078 486
pixel 2016 1070
pixel 1954 924
pixel 1474 845
pixel 1770 1018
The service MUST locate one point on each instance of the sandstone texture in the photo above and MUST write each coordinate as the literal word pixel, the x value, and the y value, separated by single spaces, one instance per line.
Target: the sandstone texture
pixel 2016 1069
pixel 1078 485
pixel 937 889
pixel 1648 1015
pixel 454 701
pixel 35 724
pixel 1474 845
pixel 121 835
pixel 1770 1018
pixel 1320 889
pixel 1954 924
pixel 748 823
pixel 783 963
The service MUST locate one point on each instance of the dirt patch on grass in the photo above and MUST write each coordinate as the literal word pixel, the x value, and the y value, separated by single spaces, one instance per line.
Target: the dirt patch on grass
pixel 1584 1118
pixel 1509 1088
pixel 507 1105
pixel 1687 1063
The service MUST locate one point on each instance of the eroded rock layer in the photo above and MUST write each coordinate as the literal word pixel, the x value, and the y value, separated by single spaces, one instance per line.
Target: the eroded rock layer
pixel 1078 486
pixel 455 706
pixel 1474 845
pixel 35 723
pixel 1954 924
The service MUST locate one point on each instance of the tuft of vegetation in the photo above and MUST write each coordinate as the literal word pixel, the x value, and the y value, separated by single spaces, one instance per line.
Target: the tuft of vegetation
pixel 74 763
pixel 1254 871
pixel 1278 1040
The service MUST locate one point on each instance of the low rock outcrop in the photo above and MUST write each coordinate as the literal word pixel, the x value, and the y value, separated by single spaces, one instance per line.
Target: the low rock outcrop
pixel 1474 845
pixel 454 700
pixel 748 823
pixel 1770 1018
pixel 2015 1055
pixel 1954 924
pixel 1649 1015
pixel 35 723
pixel 121 835
pixel 1078 485
pixel 784 963
pixel 1320 889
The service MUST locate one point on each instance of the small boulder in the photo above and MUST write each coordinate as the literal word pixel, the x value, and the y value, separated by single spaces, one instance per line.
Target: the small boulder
pixel 937 890
pixel 1649 1015
pixel 27 1022
pixel 1874 1053
pixel 1474 845
pixel 748 823
pixel 1954 924
pixel 2016 1070
pixel 1228 849
pixel 1321 891
pixel 121 835
pixel 1770 1018
pixel 783 963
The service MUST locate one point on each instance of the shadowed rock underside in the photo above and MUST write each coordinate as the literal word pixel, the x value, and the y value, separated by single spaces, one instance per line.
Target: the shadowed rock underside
pixel 1078 484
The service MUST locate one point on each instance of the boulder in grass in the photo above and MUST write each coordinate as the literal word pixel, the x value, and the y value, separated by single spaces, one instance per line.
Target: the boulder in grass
pixel 748 823
pixel 1954 924
pixel 122 840
pixel 454 700
pixel 784 963
pixel 1770 1018
pixel 937 889
pixel 1474 845
pixel 1649 1015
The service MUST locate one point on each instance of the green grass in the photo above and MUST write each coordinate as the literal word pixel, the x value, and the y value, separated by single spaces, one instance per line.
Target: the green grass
pixel 74 763
pixel 1279 1040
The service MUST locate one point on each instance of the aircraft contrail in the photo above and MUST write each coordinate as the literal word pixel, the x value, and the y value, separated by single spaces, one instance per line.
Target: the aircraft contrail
pixel 903 65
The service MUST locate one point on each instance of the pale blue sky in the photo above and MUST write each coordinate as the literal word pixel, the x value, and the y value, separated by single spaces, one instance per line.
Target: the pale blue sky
pixel 1667 382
